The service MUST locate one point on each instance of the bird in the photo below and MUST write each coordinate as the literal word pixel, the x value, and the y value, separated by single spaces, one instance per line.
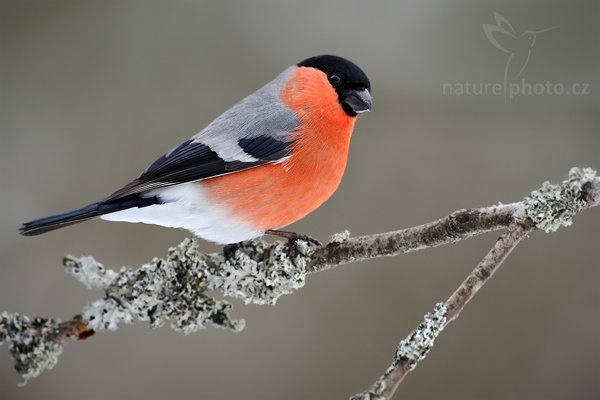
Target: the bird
pixel 266 162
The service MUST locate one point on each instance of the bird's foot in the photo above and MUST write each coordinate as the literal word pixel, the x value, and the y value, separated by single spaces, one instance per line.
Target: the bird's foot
pixel 230 249
pixel 293 238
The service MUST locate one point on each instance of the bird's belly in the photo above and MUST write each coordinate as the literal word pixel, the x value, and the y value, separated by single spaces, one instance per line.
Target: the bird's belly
pixel 275 195
pixel 239 206
pixel 187 206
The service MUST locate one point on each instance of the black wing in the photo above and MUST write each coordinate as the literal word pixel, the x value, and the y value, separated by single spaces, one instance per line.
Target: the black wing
pixel 192 161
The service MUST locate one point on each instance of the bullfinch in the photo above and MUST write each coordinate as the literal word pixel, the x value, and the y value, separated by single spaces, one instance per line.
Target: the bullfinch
pixel 266 162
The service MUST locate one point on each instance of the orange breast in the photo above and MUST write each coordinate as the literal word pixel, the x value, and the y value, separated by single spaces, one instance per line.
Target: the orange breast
pixel 275 195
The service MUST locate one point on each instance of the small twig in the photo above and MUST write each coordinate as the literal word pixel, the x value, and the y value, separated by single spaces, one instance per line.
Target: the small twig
pixel 416 346
pixel 74 328
pixel 486 268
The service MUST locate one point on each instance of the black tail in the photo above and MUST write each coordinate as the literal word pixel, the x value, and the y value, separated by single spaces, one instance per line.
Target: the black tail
pixel 53 222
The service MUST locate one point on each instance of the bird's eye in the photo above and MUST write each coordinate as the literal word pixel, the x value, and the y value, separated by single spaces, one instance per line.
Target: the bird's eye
pixel 335 80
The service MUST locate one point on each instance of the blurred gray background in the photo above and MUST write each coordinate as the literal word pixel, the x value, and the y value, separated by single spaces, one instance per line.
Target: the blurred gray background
pixel 93 91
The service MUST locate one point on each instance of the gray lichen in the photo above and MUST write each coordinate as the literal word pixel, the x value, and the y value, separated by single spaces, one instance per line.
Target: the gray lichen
pixel 340 237
pixel 376 392
pixel 416 345
pixel 175 289
pixel 410 350
pixel 31 343
pixel 172 290
pixel 260 273
pixel 553 205
pixel 89 272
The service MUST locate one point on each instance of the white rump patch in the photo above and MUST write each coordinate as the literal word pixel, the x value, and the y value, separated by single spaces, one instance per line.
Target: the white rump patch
pixel 186 206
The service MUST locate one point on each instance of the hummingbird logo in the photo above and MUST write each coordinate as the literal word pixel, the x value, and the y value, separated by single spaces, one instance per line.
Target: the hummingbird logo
pixel 518 46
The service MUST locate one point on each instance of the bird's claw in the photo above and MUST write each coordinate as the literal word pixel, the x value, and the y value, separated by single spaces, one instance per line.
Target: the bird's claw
pixel 306 238
pixel 292 243
pixel 293 238
pixel 230 249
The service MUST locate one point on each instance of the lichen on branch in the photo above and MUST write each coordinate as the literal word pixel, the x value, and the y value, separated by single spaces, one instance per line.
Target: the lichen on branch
pixel 35 344
pixel 555 205
pixel 176 288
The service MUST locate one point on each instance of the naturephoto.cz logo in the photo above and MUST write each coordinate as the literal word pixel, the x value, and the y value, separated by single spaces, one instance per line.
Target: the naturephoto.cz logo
pixel 518 49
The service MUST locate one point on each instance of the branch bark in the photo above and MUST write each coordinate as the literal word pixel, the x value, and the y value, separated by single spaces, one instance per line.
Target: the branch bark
pixel 416 346
pixel 177 288
pixel 459 225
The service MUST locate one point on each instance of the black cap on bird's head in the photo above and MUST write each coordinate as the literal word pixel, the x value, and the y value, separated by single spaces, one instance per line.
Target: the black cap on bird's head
pixel 349 81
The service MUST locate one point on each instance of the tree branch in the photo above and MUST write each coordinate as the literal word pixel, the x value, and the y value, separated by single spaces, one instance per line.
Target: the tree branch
pixel 548 208
pixel 459 225
pixel 176 288
pixel 416 345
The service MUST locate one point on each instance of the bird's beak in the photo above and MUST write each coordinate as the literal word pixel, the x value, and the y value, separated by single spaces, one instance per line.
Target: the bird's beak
pixel 359 100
